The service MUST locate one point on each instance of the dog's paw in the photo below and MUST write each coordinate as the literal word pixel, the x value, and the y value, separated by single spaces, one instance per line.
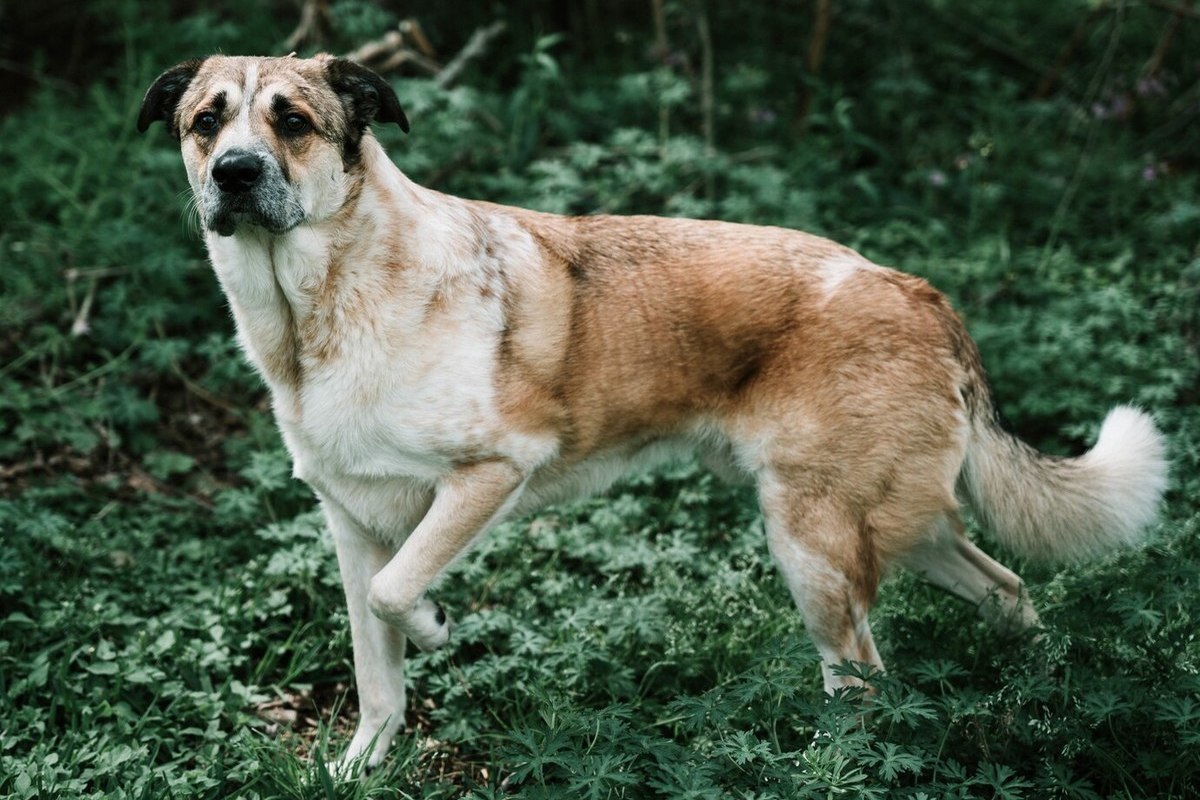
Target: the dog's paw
pixel 366 751
pixel 346 769
pixel 429 627
pixel 425 623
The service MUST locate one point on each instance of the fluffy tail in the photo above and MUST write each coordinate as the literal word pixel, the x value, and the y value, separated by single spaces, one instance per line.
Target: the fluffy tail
pixel 1066 509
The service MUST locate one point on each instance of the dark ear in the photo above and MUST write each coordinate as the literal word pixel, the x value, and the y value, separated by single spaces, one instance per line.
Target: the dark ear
pixel 162 97
pixel 365 95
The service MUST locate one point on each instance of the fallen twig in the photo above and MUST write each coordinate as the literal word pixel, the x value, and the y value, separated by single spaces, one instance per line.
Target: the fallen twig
pixel 82 323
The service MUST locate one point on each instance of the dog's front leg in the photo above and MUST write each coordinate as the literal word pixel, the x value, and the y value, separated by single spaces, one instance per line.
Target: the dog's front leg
pixel 378 647
pixel 466 502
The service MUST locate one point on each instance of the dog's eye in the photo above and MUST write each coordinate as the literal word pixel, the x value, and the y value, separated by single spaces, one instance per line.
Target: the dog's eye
pixel 295 124
pixel 205 123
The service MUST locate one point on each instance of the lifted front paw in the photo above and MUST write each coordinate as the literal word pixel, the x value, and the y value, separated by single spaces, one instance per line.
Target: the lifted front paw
pixel 430 628
pixel 425 624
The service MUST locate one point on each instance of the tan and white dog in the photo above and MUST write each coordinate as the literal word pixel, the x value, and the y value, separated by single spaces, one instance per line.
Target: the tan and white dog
pixel 438 364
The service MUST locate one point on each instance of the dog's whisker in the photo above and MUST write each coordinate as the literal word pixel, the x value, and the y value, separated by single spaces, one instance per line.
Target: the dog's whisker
pixel 191 213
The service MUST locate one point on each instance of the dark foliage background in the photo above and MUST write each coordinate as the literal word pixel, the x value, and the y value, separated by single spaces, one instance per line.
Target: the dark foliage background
pixel 170 618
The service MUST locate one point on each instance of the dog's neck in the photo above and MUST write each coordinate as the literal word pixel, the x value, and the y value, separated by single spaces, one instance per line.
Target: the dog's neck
pixel 296 297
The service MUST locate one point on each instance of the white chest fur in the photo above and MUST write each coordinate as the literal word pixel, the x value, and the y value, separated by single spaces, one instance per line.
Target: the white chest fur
pixel 409 407
pixel 402 385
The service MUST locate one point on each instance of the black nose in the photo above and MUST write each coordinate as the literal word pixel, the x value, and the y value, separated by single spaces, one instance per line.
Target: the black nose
pixel 237 171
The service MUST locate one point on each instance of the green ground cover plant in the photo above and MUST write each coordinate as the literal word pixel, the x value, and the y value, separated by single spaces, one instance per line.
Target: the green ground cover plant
pixel 171 622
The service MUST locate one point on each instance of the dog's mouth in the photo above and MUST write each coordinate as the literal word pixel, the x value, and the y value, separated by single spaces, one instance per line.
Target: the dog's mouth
pixel 238 213
pixel 231 213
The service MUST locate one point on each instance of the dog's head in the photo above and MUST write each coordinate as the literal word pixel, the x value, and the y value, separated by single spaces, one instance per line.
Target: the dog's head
pixel 269 142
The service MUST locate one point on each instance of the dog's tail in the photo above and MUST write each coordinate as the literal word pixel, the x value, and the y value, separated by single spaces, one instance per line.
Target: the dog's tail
pixel 1063 509
pixel 1050 508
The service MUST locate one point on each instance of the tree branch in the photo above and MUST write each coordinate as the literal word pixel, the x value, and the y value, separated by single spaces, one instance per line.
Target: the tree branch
pixel 475 47
pixel 315 26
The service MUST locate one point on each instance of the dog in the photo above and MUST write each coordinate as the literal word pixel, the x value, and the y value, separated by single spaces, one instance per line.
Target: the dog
pixel 438 364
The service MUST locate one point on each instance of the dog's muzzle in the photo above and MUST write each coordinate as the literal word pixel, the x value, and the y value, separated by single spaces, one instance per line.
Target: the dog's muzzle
pixel 247 188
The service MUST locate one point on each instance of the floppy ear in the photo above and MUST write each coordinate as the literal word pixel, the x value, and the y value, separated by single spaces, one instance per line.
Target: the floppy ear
pixel 365 95
pixel 162 97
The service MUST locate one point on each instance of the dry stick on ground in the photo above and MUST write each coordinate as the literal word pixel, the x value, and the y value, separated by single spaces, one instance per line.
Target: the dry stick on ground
pixel 82 319
pixel 83 323
pixel 822 13
pixel 315 26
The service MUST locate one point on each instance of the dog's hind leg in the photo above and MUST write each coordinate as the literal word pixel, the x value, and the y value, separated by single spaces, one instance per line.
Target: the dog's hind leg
pixel 818 548
pixel 952 562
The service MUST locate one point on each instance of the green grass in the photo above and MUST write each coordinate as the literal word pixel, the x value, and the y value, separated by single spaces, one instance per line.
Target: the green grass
pixel 171 623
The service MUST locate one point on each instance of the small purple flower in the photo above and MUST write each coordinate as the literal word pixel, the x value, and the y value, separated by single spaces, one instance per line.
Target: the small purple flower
pixel 1117 107
pixel 937 178
pixel 1150 172
pixel 1150 86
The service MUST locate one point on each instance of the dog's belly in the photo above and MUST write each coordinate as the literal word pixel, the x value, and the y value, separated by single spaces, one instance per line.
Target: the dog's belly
pixel 561 483
pixel 388 505
pixel 393 489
